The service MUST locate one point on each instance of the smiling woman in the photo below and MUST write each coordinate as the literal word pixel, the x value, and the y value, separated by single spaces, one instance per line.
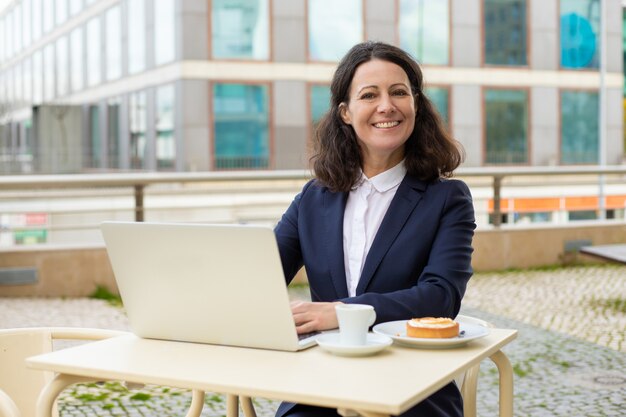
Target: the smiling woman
pixel 380 224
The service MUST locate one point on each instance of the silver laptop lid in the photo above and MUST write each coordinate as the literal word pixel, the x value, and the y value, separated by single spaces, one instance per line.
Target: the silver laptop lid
pixel 219 284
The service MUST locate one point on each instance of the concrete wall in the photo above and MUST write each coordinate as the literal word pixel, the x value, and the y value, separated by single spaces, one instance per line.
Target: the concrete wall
pixel 76 272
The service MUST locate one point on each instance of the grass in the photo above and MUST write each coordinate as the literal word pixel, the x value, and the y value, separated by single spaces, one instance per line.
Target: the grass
pixel 615 305
pixel 103 293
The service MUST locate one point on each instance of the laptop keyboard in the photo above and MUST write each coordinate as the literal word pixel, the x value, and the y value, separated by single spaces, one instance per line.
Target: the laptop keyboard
pixel 307 335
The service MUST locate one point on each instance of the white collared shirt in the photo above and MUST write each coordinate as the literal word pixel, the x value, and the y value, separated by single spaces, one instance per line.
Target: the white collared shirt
pixel 367 204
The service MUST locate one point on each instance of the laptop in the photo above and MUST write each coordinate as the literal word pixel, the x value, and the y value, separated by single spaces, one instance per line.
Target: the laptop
pixel 204 283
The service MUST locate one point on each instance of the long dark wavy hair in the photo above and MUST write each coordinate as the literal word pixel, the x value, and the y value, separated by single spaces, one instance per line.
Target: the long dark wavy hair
pixel 430 152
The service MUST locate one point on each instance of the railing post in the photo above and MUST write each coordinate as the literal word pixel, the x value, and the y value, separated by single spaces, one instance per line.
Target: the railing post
pixel 497 210
pixel 139 202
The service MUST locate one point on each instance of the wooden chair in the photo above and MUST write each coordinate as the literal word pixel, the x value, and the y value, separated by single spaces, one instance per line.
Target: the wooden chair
pixel 20 386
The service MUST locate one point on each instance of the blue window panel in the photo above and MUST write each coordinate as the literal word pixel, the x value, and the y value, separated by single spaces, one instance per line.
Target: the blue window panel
pixel 241 114
pixel 506 126
pixel 580 29
pixel 424 29
pixel 579 127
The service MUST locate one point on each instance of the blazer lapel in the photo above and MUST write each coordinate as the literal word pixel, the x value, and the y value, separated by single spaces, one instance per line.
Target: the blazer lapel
pixel 408 195
pixel 334 207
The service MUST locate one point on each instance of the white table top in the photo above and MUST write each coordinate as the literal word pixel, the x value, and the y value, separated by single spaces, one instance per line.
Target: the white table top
pixel 389 382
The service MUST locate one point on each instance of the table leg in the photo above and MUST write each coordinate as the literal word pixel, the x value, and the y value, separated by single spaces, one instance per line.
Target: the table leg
pixel 197 403
pixel 506 383
pixel 232 405
pixel 248 407
pixel 45 402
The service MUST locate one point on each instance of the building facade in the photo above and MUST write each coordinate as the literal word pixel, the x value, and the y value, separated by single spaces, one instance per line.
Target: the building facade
pixel 189 85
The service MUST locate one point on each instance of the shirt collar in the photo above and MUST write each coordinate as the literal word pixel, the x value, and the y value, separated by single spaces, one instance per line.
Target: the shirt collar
pixel 386 180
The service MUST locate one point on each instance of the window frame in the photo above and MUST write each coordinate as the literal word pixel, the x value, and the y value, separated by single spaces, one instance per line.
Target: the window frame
pixel 450 33
pixel 560 126
pixel 270 37
pixel 558 51
pixel 307 34
pixel 271 159
pixel 529 141
pixel 483 38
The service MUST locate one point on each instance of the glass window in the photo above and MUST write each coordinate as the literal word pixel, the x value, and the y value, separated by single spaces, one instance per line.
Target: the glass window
pixel 241 126
pixel 136 36
pixel 48 15
pixel 165 137
pixel 138 127
pixel 76 6
pixel 36 19
pixel 240 29
pixel 9 85
pixel 113 44
pixel 62 66
pixel 506 126
pixel 505 32
pixel 61 11
pixel 17 89
pixel 424 28
pixel 94 56
pixel 48 74
pixel 320 102
pixel 164 19
pixel 94 159
pixel 2 45
pixel 580 33
pixel 77 70
pixel 113 132
pixel 579 127
pixel 37 78
pixel 334 27
pixel 17 28
pixel 440 97
pixel 28 80
pixel 26 23
pixel 8 34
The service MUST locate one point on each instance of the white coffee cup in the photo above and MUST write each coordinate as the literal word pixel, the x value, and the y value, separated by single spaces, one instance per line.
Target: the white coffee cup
pixel 354 321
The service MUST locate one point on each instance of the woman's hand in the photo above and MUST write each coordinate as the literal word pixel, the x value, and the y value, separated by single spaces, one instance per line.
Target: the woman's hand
pixel 314 316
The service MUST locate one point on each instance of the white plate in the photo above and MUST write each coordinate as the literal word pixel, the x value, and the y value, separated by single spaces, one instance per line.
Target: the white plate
pixel 375 343
pixel 397 331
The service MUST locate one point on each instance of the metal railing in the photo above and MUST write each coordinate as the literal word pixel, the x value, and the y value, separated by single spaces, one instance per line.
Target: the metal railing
pixel 25 187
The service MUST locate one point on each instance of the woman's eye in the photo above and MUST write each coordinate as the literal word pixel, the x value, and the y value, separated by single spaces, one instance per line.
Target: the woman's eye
pixel 367 96
pixel 400 93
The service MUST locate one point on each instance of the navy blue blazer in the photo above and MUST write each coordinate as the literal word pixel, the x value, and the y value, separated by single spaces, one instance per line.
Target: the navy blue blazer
pixel 418 265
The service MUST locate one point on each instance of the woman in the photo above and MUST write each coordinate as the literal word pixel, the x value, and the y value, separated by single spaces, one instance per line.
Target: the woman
pixel 380 224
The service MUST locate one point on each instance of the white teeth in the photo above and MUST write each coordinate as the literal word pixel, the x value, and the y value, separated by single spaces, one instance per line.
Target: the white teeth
pixel 384 125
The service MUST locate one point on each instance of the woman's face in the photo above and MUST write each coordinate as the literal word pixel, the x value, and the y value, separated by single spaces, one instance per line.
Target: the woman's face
pixel 381 109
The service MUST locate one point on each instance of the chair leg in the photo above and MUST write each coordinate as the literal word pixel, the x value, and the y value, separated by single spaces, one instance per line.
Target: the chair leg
pixel 468 391
pixel 197 403
pixel 247 406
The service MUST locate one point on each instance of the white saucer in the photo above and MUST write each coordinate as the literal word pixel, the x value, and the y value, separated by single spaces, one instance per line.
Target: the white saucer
pixel 375 343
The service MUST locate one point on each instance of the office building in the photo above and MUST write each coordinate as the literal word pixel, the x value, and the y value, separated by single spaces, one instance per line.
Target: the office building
pixel 194 85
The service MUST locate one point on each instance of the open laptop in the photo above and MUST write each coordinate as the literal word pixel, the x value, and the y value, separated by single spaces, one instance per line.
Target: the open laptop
pixel 218 284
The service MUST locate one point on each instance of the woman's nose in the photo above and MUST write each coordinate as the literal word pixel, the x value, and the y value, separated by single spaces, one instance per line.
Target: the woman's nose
pixel 386 104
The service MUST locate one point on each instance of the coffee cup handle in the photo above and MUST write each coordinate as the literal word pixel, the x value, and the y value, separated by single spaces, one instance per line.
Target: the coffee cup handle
pixel 373 318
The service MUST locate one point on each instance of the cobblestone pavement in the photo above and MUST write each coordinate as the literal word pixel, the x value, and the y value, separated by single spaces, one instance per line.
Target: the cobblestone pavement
pixel 569 358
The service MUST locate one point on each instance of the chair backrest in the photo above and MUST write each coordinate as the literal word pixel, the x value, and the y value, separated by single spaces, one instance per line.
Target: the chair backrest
pixel 21 384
